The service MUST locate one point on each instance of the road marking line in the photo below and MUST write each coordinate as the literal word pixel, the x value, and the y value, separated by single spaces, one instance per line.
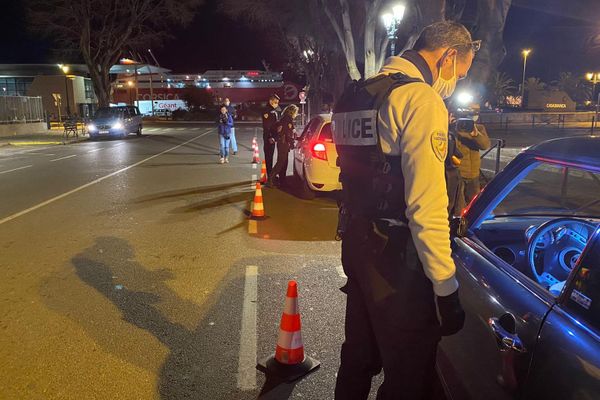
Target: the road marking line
pixel 64 158
pixel 252 227
pixel 15 169
pixel 253 184
pixel 181 129
pixel 92 183
pixel 254 166
pixel 246 379
pixel 94 150
pixel 340 271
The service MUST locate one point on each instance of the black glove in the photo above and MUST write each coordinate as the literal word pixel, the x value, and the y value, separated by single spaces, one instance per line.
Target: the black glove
pixel 451 313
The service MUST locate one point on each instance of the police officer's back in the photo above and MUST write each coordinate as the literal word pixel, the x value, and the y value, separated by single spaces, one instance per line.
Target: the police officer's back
pixel 391 134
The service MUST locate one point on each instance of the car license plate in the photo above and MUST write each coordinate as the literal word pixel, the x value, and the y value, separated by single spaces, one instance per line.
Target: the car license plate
pixel 103 132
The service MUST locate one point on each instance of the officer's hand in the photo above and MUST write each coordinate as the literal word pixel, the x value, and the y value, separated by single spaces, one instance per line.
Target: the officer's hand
pixel 451 313
pixel 271 140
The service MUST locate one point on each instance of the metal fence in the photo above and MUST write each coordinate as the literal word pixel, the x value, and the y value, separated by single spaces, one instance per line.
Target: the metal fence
pixel 21 109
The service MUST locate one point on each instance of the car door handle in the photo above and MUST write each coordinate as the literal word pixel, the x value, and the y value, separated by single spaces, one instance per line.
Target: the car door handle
pixel 506 340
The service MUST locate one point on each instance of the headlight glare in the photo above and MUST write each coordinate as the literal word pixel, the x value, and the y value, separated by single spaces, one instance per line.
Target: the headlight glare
pixel 91 127
pixel 117 125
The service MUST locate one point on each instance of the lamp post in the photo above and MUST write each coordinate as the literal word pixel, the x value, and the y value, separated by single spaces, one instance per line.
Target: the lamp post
pixel 594 78
pixel 525 54
pixel 65 70
pixel 130 85
pixel 391 21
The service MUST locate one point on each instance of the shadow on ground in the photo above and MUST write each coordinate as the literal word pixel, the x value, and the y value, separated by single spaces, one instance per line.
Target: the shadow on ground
pixel 192 356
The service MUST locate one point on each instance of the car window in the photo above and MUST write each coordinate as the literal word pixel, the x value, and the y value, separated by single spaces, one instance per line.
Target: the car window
pixel 310 129
pixel 583 294
pixel 326 134
pixel 553 190
pixel 108 113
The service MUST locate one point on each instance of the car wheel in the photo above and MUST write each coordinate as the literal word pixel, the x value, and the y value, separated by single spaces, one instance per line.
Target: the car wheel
pixel 139 131
pixel 306 192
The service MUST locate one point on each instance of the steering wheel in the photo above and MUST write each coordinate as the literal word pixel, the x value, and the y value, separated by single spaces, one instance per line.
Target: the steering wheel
pixel 561 241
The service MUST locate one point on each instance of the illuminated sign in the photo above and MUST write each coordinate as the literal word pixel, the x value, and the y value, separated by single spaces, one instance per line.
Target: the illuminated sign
pixel 253 73
pixel 556 105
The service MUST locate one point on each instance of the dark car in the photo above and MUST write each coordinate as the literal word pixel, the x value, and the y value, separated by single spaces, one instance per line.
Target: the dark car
pixel 115 122
pixel 527 252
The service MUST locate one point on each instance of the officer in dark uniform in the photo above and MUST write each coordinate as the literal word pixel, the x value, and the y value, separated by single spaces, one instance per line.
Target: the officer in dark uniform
pixel 391 135
pixel 284 133
pixel 270 117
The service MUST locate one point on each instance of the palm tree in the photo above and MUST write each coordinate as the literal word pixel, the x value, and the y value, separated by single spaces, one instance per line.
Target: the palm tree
pixel 500 86
pixel 533 83
pixel 578 89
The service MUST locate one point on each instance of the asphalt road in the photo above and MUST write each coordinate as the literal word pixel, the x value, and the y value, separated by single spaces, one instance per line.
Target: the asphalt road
pixel 124 272
pixel 129 270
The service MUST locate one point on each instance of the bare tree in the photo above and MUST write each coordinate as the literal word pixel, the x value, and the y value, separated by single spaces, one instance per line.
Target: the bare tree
pixel 102 29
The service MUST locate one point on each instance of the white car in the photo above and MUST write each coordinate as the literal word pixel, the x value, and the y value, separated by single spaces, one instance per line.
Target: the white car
pixel 315 158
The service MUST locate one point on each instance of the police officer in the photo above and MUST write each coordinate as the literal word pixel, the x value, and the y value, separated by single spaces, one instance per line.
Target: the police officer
pixel 270 117
pixel 284 133
pixel 391 134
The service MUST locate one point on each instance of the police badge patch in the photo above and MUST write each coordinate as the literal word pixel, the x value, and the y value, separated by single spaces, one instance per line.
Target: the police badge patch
pixel 290 126
pixel 266 116
pixel 439 144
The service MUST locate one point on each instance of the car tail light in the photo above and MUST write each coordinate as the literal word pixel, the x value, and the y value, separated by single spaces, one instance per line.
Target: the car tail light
pixel 319 151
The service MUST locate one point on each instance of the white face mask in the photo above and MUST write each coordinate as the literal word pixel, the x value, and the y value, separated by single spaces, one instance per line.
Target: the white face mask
pixel 445 87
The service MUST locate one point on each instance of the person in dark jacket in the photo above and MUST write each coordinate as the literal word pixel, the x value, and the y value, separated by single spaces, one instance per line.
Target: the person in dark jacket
pixel 284 133
pixel 231 110
pixel 270 117
pixel 453 160
pixel 225 122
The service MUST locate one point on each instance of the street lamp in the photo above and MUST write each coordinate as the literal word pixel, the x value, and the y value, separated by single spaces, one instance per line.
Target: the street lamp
pixel 130 85
pixel 594 78
pixel 65 70
pixel 525 54
pixel 391 21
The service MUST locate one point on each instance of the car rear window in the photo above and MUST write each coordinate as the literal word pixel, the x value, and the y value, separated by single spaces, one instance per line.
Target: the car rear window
pixel 326 135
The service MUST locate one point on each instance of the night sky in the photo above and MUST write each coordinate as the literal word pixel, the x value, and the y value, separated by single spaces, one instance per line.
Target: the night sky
pixel 555 29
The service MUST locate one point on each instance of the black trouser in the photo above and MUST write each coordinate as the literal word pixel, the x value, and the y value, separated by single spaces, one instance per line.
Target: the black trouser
pixel 391 318
pixel 281 165
pixel 269 149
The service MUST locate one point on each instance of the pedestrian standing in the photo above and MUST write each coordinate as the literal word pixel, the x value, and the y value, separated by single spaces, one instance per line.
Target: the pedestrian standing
pixel 225 124
pixel 391 134
pixel 231 110
pixel 284 133
pixel 470 141
pixel 270 117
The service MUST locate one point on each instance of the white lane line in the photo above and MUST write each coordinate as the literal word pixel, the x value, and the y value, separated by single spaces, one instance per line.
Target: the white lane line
pixel 253 184
pixel 181 129
pixel 340 271
pixel 94 150
pixel 64 158
pixel 246 379
pixel 15 169
pixel 92 183
pixel 254 166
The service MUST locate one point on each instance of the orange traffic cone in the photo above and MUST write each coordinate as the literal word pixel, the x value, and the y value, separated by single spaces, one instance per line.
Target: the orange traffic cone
pixel 256 157
pixel 263 173
pixel 289 361
pixel 258 208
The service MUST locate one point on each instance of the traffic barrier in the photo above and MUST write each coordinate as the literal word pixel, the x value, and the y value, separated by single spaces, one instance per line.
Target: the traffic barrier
pixel 256 157
pixel 289 361
pixel 258 208
pixel 263 173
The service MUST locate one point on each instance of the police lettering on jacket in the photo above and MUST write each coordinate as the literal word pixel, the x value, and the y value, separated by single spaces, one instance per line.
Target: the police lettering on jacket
pixel 356 128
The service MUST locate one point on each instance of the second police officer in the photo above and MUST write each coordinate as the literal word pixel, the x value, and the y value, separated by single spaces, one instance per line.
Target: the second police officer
pixel 270 116
pixel 391 134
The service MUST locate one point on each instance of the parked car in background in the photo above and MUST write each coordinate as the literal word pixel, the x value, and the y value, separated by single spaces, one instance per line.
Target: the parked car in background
pixel 315 158
pixel 115 122
pixel 527 252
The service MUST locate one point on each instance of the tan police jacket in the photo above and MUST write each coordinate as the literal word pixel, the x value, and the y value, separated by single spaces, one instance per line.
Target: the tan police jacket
pixel 413 123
